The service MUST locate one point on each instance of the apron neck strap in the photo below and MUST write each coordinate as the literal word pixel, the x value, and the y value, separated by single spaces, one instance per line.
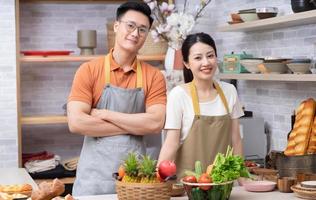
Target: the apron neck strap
pixel 195 98
pixel 221 94
pixel 107 70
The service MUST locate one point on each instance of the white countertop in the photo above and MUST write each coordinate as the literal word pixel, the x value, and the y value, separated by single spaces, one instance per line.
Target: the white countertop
pixel 16 176
pixel 19 175
pixel 238 193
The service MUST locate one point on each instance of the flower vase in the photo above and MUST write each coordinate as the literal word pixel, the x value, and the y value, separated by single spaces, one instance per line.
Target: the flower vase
pixel 178 60
pixel 173 59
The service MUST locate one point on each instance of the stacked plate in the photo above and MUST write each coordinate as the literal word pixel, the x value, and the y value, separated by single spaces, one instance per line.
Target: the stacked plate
pixel 306 189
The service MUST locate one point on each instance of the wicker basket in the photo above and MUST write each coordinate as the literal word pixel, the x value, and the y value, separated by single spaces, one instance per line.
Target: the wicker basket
pixel 149 47
pixel 148 191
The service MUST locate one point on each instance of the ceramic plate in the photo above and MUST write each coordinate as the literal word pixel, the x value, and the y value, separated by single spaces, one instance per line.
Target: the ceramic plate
pixel 308 184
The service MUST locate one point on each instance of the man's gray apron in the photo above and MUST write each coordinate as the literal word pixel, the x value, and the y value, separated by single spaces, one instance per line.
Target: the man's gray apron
pixel 101 156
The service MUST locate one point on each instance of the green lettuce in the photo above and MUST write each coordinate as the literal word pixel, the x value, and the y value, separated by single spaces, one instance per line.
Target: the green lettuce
pixel 228 167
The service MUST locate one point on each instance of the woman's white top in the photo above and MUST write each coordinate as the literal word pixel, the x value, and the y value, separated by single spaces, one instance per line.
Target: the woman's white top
pixel 180 113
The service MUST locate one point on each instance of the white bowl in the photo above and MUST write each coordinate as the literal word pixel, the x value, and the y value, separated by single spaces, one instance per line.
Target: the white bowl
pixel 251 65
pixel 274 68
pixel 247 17
pixel 299 68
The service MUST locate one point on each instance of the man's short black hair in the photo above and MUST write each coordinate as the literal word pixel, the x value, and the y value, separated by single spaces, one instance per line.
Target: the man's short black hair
pixel 137 6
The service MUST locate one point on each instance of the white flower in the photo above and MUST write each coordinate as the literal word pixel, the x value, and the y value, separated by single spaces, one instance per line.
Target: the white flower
pixel 155 36
pixel 166 8
pixel 163 28
pixel 171 25
pixel 152 5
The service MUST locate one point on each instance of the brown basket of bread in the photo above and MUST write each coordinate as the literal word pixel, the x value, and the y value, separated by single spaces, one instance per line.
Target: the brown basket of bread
pixel 138 179
pixel 149 48
pixel 300 153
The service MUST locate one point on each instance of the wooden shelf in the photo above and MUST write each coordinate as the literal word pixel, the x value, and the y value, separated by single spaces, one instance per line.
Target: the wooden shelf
pixel 82 58
pixel 297 19
pixel 67 180
pixel 271 77
pixel 73 1
pixel 44 120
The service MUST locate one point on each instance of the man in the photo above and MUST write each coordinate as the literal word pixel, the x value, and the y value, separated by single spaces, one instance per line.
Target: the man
pixel 114 102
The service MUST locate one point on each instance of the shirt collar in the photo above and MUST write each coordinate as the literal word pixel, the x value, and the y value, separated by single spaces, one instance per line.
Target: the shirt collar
pixel 115 66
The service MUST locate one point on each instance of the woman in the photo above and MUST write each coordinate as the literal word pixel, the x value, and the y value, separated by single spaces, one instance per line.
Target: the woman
pixel 202 115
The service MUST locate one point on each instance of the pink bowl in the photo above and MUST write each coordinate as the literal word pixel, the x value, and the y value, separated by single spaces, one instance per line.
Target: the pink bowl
pixel 259 186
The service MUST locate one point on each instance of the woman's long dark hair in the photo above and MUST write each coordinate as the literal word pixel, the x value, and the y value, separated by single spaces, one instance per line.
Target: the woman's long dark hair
pixel 186 46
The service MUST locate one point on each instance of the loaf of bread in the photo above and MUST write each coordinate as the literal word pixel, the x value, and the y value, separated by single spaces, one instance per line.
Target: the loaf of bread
pixel 312 141
pixel 299 139
pixel 16 189
pixel 48 190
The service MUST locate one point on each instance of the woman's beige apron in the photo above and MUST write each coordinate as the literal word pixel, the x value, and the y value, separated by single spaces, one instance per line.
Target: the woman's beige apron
pixel 101 156
pixel 208 136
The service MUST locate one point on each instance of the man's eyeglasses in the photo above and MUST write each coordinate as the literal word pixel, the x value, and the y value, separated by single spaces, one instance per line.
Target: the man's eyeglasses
pixel 131 26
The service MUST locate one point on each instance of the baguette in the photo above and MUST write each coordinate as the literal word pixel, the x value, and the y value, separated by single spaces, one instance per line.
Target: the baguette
pixel 301 137
pixel 16 189
pixel 312 141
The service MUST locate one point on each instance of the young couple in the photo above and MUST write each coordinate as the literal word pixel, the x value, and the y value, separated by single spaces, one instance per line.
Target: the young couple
pixel 117 100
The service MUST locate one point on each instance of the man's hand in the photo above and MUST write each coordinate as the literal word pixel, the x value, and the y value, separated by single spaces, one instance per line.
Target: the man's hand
pixel 98 113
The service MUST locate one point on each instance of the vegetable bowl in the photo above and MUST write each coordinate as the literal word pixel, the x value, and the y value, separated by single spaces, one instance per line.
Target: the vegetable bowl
pixel 217 181
pixel 208 191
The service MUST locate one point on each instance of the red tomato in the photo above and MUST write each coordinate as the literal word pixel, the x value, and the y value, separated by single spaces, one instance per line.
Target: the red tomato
pixel 190 179
pixel 205 178
pixel 167 168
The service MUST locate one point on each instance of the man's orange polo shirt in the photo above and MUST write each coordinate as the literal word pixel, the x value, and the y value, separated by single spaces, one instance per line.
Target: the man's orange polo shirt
pixel 89 82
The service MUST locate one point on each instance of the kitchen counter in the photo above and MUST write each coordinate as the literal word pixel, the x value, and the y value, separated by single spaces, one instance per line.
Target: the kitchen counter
pixel 19 175
pixel 16 176
pixel 238 193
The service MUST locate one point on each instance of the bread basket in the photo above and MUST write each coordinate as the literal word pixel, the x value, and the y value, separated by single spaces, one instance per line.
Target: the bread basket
pixel 139 191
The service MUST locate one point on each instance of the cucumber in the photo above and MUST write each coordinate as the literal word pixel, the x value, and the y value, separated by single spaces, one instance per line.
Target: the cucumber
pixel 198 169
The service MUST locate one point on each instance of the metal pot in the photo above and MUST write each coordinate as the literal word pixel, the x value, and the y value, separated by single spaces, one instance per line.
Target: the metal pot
pixel 303 5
